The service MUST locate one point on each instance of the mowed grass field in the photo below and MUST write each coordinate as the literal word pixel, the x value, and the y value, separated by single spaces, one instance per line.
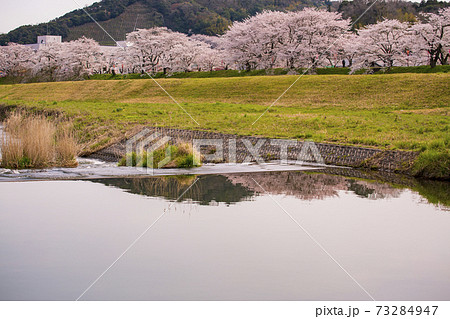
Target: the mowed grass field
pixel 399 111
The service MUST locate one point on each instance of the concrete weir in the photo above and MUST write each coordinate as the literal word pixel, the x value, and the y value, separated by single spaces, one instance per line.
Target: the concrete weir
pixel 218 147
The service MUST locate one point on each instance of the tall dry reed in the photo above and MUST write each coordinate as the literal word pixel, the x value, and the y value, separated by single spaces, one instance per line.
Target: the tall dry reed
pixel 12 152
pixel 66 146
pixel 38 137
pixel 35 142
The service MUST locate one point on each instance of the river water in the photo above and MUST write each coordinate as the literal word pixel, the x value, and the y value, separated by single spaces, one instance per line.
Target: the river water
pixel 229 236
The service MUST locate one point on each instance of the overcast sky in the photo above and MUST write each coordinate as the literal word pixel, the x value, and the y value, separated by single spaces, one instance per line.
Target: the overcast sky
pixel 15 13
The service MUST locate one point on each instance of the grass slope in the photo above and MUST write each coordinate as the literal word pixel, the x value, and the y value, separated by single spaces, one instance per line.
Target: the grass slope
pixel 405 111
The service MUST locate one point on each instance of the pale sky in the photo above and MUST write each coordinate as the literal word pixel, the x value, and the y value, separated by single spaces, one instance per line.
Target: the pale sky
pixel 15 13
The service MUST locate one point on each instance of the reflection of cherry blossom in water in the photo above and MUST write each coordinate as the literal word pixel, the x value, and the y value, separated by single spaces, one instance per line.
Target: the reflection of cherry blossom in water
pixel 313 186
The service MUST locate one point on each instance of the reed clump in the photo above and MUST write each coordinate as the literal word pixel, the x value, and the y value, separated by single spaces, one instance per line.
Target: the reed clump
pixel 66 145
pixel 181 155
pixel 33 141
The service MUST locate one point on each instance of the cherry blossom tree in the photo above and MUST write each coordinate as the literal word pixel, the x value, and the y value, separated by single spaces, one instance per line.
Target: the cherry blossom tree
pixel 268 31
pixel 187 55
pixel 68 61
pixel 313 37
pixel 50 58
pixel 213 41
pixel 348 48
pixel 433 36
pixel 383 44
pixel 112 60
pixel 17 60
pixel 213 56
pixel 211 59
pixel 241 44
pixel 146 48
pixel 152 48
pixel 305 38
pixel 84 57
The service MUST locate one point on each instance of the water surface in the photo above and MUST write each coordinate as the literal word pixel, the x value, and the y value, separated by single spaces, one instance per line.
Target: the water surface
pixel 226 238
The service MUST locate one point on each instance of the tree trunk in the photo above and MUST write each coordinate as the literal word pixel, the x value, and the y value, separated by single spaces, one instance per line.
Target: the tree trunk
pixel 443 58
pixel 434 56
pixel 432 62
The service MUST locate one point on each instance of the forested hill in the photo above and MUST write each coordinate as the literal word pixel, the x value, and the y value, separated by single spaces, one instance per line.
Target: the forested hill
pixel 120 17
pixel 210 17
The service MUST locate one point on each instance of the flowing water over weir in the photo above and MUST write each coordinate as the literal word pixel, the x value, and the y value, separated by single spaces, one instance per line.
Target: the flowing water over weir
pixel 92 168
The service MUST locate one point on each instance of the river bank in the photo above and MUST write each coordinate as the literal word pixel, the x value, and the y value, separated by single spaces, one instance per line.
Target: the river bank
pixel 257 149
pixel 267 150
pixel 386 122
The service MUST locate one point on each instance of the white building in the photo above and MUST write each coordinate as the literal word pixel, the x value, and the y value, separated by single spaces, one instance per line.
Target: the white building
pixel 43 40
pixel 47 39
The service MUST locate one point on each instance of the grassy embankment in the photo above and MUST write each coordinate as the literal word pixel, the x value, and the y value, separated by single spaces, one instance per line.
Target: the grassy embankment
pixel 389 111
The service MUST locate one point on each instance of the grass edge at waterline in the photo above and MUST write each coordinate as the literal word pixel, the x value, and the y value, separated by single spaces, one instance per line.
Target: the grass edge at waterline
pixel 432 163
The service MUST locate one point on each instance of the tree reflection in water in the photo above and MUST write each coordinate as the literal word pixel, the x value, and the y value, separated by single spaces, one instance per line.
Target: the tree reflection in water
pixel 208 190
pixel 233 188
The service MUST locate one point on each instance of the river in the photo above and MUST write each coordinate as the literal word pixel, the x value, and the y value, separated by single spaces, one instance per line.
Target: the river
pixel 272 235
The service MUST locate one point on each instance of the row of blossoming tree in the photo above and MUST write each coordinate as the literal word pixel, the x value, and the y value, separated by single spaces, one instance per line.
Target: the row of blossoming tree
pixel 305 39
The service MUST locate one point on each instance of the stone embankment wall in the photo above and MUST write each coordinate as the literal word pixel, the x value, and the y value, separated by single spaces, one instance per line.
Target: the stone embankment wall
pixel 332 154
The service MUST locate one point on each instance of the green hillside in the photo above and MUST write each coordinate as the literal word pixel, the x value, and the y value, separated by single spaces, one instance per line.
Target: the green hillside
pixel 136 15
pixel 121 16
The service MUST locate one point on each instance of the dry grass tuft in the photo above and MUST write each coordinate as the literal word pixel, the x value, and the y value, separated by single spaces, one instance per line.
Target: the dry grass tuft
pixel 14 123
pixel 66 145
pixel 12 152
pixel 36 142
pixel 37 136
